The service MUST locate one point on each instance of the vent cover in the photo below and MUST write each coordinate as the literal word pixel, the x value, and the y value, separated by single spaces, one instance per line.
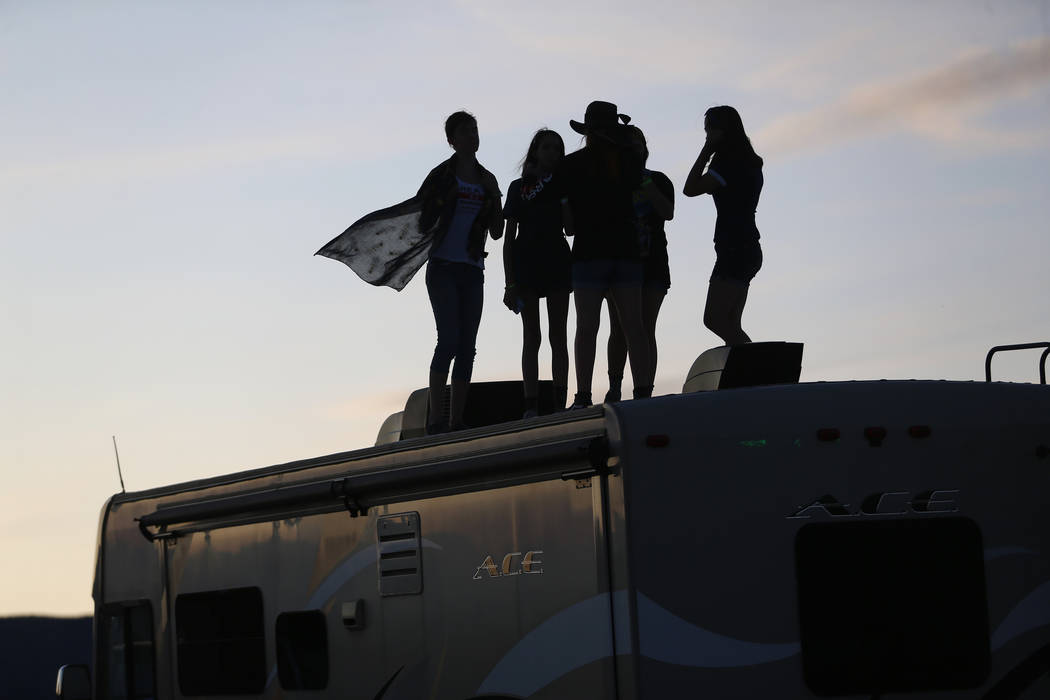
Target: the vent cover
pixel 400 556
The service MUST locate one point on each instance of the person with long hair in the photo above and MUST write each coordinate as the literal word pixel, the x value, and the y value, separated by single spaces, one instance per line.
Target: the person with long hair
pixel 464 200
pixel 537 264
pixel 734 180
pixel 596 183
pixel 653 205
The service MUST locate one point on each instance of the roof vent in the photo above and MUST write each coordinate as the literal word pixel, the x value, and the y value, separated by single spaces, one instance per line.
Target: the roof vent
pixel 488 403
pixel 751 364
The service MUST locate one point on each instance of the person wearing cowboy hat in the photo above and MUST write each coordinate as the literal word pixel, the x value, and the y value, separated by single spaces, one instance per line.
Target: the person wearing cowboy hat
pixel 596 184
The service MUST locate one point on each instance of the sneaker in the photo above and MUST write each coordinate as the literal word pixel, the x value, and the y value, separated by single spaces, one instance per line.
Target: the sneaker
pixel 612 396
pixel 530 413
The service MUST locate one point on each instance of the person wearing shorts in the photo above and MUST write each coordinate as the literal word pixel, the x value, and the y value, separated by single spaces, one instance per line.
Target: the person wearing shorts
pixel 537 264
pixel 734 180
pixel 653 205
pixel 596 184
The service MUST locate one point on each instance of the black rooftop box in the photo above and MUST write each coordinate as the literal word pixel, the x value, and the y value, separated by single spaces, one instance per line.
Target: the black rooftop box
pixel 751 364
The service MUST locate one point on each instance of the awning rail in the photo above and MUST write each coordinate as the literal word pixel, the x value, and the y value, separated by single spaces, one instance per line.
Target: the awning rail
pixel 359 492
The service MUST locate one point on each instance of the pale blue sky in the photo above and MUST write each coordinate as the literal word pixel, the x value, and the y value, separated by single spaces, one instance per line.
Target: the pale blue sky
pixel 168 169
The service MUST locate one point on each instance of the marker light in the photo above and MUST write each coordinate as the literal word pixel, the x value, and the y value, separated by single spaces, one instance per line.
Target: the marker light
pixel 657 440
pixel 828 434
pixel 875 435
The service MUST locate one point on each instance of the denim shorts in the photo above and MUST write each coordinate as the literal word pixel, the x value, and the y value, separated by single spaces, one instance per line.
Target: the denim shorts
pixel 606 274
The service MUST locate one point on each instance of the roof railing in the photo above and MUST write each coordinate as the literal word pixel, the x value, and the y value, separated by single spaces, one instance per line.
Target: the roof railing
pixel 1020 346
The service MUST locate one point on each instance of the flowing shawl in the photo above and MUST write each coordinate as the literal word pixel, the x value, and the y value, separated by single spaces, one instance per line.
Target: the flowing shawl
pixel 386 247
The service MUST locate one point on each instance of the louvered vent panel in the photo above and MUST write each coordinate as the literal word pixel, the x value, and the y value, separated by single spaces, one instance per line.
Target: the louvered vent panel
pixel 400 555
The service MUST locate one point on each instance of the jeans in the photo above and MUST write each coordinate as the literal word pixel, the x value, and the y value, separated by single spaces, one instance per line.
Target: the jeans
pixel 456 294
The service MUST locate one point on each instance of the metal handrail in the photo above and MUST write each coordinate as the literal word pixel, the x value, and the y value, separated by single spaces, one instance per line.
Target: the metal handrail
pixel 1021 346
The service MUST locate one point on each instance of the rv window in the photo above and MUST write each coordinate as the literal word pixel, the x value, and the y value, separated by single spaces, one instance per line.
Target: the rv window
pixel 127 668
pixel 302 650
pixel 892 606
pixel 221 649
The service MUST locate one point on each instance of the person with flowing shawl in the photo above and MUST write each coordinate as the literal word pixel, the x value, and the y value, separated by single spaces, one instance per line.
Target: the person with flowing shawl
pixel 445 224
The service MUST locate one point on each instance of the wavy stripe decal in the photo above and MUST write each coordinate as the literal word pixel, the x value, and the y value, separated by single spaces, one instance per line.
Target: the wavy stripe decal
pixel 350 567
pixel 1030 613
pixel 663 636
pixel 581 634
pixel 346 570
pixel 578 635
pixel 999 552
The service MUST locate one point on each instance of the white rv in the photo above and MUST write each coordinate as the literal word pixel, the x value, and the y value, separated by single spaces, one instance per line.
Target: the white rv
pixel 791 541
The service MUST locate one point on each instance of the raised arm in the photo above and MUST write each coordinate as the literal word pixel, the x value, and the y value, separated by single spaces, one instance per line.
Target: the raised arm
pixel 698 182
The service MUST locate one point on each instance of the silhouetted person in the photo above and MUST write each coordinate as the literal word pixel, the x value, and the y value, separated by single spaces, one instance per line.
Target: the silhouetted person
pixel 445 225
pixel 464 199
pixel 653 205
pixel 734 179
pixel 597 183
pixel 537 264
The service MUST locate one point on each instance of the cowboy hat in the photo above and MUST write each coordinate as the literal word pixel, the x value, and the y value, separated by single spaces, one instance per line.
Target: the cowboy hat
pixel 599 115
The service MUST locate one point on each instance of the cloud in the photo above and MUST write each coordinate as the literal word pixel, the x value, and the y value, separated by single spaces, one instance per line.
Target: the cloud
pixel 618 43
pixel 938 104
pixel 807 72
pixel 155 160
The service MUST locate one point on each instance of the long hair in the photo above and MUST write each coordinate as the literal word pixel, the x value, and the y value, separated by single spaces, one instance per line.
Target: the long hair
pixel 528 163
pixel 735 143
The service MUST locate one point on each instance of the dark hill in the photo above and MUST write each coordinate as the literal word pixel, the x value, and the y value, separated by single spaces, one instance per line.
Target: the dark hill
pixel 32 649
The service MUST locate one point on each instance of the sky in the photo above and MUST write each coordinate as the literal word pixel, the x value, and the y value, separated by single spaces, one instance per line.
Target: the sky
pixel 167 171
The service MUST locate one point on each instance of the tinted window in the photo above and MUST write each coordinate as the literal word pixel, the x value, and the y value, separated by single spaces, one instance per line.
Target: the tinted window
pixel 127 668
pixel 892 606
pixel 221 648
pixel 302 650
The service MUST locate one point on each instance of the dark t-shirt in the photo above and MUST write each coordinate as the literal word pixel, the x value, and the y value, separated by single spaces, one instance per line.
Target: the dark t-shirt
pixel 650 226
pixel 541 254
pixel 599 192
pixel 737 199
pixel 537 210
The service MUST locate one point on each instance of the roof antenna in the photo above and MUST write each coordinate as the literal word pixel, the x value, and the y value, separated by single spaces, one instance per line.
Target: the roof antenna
pixel 119 475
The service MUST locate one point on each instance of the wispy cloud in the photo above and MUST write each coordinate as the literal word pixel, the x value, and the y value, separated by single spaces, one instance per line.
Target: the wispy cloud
pixel 806 72
pixel 940 104
pixel 156 160
pixel 614 42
